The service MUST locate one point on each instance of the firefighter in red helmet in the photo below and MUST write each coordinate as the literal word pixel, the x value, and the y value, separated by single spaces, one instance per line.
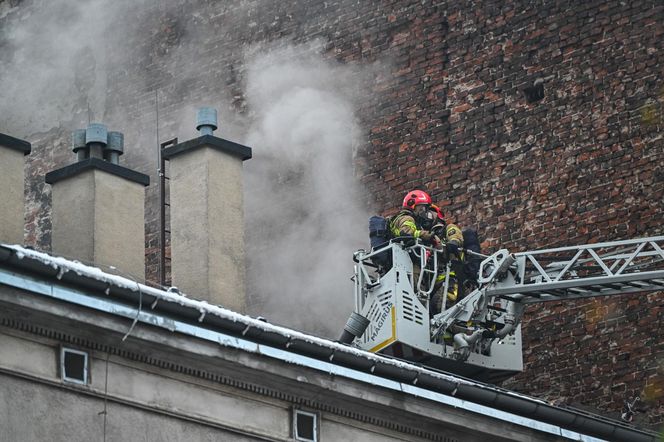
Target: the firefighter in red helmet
pixel 420 218
pixel 408 222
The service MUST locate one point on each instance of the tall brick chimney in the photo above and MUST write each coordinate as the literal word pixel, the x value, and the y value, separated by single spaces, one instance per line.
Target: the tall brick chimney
pixel 12 187
pixel 207 219
pixel 98 205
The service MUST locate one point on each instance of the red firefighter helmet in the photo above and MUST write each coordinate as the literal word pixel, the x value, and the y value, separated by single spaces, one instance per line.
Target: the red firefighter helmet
pixel 416 197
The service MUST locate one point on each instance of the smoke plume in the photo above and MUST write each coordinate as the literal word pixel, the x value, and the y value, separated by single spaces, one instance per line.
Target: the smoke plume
pixel 53 62
pixel 64 62
pixel 303 216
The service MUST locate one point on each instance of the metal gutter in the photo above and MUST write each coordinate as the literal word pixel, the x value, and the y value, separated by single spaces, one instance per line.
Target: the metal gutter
pixel 73 282
pixel 82 299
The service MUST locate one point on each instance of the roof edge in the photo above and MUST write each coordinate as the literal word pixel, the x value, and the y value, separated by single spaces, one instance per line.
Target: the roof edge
pixel 281 339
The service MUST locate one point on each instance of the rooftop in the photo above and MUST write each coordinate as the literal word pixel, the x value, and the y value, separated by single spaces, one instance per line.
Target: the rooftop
pixel 72 282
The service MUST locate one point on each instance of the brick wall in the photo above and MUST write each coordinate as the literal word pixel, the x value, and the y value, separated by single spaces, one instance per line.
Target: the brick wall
pixel 583 164
pixel 444 107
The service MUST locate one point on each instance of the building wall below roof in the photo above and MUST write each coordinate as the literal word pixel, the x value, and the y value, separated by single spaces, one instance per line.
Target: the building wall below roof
pixel 46 412
pixel 143 403
pixel 167 373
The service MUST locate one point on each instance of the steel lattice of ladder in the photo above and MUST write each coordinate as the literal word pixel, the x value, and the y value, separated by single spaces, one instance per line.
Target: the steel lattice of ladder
pixel 601 269
pixel 565 273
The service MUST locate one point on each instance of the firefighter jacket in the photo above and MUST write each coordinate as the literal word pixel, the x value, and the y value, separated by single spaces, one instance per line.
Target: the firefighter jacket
pixel 404 224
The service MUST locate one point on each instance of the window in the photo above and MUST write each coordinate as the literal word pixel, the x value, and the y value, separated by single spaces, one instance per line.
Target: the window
pixel 305 426
pixel 73 366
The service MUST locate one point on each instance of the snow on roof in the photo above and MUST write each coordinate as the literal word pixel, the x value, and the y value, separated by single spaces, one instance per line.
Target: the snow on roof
pixel 537 418
pixel 63 265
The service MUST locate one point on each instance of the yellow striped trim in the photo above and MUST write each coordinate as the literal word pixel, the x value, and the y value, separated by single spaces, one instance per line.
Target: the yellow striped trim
pixel 392 338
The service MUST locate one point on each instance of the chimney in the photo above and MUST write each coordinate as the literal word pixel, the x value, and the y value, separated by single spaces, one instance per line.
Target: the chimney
pixel 98 205
pixel 12 188
pixel 207 219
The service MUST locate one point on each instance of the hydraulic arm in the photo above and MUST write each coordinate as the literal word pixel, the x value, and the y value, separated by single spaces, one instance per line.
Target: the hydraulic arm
pixel 590 270
pixel 393 298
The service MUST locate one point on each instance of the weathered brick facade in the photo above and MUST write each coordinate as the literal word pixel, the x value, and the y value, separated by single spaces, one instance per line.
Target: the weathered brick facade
pixel 453 108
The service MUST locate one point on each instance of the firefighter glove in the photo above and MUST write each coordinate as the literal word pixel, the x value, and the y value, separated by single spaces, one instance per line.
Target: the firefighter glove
pixel 452 248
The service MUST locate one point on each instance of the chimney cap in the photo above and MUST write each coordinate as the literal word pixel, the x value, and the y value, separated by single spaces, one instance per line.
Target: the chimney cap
pixel 78 140
pixel 226 146
pixel 96 133
pixel 15 144
pixel 206 120
pixel 115 142
pixel 99 164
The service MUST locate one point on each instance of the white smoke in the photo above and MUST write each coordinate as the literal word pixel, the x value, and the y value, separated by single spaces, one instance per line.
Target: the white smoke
pixel 303 216
pixel 60 63
pixel 54 63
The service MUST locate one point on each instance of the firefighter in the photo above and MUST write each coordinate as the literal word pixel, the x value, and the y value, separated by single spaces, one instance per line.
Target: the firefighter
pixel 416 219
pixel 453 239
pixel 451 234
pixel 410 220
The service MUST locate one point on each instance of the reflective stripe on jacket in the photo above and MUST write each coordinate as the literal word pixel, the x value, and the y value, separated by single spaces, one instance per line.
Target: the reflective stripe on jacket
pixel 403 224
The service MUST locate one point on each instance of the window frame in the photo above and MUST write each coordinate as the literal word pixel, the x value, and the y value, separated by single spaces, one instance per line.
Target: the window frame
pixel 86 366
pixel 314 416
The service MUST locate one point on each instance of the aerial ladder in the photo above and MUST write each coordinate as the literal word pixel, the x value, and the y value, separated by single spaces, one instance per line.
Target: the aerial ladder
pixel 479 336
